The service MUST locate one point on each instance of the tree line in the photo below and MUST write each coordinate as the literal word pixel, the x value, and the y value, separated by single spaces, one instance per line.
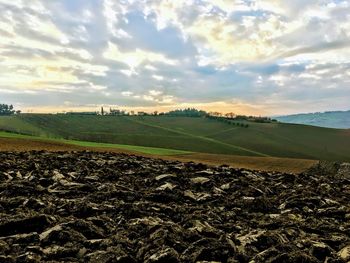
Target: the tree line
pixel 230 118
pixel 6 110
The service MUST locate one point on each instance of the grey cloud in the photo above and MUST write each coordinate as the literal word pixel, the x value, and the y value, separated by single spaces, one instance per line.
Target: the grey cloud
pixel 24 52
pixel 316 49
pixel 249 82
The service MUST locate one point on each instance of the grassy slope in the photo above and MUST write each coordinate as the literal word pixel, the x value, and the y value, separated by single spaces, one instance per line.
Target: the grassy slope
pixel 15 142
pixel 290 140
pixel 192 134
pixel 130 131
pixel 19 125
pixel 274 139
pixel 133 148
pixel 188 131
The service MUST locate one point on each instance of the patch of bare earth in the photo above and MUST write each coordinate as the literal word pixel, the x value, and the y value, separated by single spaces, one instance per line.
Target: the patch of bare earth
pixel 289 165
pixel 22 145
pixel 107 207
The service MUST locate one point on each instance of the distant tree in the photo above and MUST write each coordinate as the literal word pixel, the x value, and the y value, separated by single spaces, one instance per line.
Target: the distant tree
pixel 230 115
pixel 215 114
pixel 190 112
pixel 7 110
pixel 117 112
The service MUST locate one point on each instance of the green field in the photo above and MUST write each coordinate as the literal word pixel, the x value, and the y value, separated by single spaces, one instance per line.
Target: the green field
pixel 189 134
pixel 132 148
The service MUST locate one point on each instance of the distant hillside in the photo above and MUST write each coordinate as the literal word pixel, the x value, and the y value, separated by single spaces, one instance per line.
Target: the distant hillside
pixel 329 119
pixel 190 134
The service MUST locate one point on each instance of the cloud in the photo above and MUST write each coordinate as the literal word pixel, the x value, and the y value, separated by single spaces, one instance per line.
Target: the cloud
pixel 157 77
pixel 134 58
pixel 260 55
pixel 322 47
pixel 168 12
pixel 127 93
pixel 260 30
pixel 229 6
pixel 218 44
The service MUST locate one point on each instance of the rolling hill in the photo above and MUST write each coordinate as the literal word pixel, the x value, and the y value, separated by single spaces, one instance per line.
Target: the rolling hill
pixel 189 134
pixel 329 119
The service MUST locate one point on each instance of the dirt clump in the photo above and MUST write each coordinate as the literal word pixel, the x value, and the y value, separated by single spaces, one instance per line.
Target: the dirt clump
pixel 107 207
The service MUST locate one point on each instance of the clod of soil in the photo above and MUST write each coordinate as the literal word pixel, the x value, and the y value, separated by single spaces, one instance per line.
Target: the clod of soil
pixel 105 207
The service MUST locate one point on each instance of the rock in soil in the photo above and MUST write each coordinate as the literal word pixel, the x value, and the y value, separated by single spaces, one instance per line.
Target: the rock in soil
pixel 105 207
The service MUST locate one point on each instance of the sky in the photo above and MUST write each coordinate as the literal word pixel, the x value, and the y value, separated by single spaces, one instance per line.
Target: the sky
pixel 260 57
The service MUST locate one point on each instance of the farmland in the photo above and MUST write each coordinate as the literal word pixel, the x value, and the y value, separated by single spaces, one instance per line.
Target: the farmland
pixel 199 135
pixel 107 207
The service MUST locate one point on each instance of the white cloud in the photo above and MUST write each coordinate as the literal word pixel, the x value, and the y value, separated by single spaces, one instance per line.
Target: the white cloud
pixel 223 41
pixel 288 8
pixel 135 58
pixel 155 92
pixel 222 45
pixel 128 72
pixel 167 12
pixel 263 52
pixel 150 67
pixel 94 87
pixel 127 93
pixel 112 10
pixel 157 77
pixel 47 28
pixel 35 5
pixel 148 98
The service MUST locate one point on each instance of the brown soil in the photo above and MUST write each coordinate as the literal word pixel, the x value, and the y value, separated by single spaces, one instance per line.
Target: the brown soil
pixel 107 207
pixel 22 145
pixel 287 165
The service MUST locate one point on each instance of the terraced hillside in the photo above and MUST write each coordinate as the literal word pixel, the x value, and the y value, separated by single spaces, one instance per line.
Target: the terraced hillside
pixel 190 134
